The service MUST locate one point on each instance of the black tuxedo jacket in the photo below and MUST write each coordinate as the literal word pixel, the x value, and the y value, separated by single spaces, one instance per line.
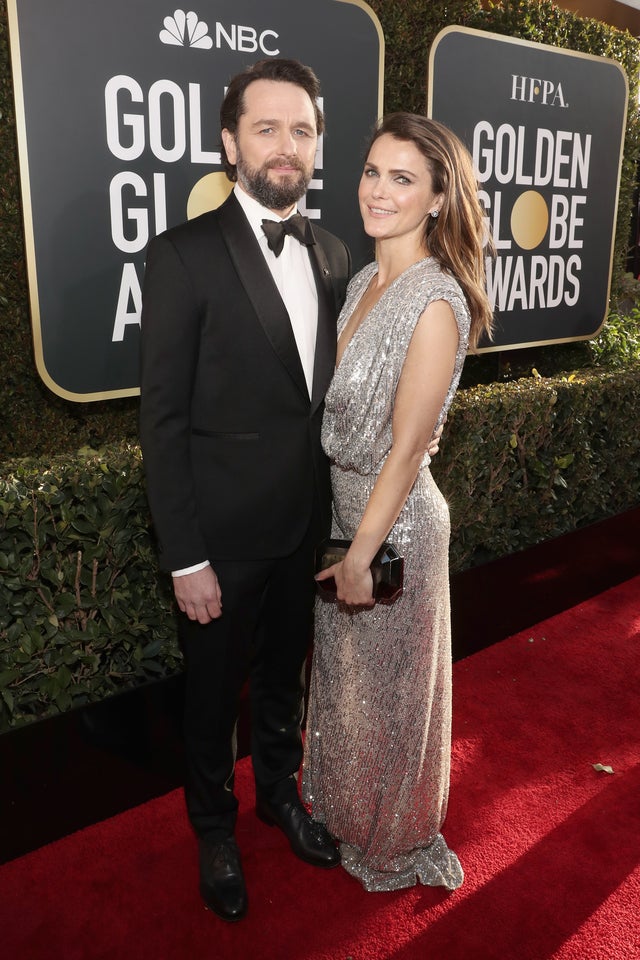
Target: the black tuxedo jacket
pixel 230 439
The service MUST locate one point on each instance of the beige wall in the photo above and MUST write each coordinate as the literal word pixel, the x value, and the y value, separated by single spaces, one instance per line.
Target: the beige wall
pixel 619 15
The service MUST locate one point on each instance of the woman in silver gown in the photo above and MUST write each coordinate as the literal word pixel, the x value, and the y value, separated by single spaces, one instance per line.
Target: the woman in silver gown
pixel 377 751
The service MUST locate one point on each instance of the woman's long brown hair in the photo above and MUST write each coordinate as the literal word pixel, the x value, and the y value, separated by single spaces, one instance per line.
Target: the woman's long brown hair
pixel 458 238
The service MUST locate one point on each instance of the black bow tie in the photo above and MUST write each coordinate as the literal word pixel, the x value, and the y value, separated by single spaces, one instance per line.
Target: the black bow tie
pixel 297 226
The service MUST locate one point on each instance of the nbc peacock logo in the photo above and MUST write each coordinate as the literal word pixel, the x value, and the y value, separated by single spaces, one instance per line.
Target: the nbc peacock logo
pixel 186 30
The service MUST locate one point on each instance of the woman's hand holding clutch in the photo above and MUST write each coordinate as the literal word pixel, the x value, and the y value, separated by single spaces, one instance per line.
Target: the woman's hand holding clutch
pixel 354 587
pixel 340 577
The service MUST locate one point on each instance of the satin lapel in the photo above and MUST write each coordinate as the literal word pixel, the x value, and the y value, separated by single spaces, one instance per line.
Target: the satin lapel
pixel 325 356
pixel 260 288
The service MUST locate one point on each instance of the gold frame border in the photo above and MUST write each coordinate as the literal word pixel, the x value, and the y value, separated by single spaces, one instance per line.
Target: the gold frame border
pixel 376 22
pixel 570 53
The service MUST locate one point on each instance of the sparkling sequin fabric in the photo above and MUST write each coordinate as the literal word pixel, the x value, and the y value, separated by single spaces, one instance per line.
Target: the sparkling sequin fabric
pixel 376 767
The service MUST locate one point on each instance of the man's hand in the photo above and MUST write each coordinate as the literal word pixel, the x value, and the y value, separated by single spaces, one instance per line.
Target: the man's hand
pixel 434 443
pixel 199 595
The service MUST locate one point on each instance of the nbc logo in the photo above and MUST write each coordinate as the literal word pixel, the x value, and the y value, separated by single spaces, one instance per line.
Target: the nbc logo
pixel 185 30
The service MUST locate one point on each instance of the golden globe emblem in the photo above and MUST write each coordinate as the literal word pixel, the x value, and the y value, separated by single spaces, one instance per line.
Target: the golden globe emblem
pixel 208 193
pixel 529 219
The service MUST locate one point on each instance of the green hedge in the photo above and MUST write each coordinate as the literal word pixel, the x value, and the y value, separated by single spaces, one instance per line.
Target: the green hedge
pixel 83 612
pixel 526 461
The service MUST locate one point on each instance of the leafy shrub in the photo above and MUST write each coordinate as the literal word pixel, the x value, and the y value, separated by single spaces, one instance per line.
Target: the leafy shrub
pixel 535 458
pixel 618 343
pixel 83 611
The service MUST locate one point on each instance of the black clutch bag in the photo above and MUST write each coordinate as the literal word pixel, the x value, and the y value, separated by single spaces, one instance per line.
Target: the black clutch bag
pixel 387 570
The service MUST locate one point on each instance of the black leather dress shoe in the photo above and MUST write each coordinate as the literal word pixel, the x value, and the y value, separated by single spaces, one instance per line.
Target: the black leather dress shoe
pixel 221 879
pixel 309 840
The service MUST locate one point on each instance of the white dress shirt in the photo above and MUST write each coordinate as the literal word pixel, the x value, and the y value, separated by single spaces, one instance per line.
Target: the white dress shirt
pixel 293 277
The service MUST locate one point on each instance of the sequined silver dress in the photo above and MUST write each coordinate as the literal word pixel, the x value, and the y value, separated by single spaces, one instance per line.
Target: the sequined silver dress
pixel 377 750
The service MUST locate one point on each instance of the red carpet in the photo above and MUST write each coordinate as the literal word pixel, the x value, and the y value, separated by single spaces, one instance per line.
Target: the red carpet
pixel 550 846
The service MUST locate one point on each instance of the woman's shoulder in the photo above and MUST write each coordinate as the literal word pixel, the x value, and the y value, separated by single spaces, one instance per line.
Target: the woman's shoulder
pixel 428 281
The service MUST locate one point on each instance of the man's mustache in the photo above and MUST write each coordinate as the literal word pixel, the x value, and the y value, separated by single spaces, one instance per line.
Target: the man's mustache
pixel 294 162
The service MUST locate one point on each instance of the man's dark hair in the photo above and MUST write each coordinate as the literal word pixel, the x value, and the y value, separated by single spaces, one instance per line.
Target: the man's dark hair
pixel 282 71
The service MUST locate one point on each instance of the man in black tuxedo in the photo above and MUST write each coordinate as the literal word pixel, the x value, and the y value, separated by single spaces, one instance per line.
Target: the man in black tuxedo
pixel 238 349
